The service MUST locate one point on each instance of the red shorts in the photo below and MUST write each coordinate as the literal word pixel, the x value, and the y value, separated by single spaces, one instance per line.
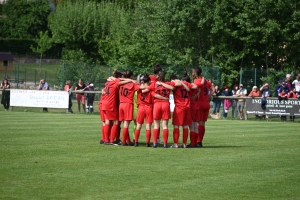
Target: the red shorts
pixel 182 117
pixel 101 113
pixel 126 112
pixel 80 97
pixel 161 110
pixel 195 115
pixel 204 111
pixel 144 112
pixel 110 115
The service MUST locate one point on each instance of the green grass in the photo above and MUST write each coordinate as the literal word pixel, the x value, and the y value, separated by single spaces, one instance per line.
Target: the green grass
pixel 58 156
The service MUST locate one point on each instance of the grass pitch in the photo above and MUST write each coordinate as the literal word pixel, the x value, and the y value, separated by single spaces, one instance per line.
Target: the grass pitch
pixel 58 156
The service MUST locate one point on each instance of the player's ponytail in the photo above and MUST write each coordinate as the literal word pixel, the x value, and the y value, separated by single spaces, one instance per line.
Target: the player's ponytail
pixel 161 76
pixel 156 68
pixel 186 78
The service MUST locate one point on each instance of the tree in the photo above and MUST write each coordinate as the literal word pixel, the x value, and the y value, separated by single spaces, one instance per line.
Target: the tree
pixel 25 19
pixel 44 42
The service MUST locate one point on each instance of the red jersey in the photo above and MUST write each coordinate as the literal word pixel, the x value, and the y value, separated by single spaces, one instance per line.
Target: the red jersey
pixel 205 91
pixel 195 103
pixel 153 78
pixel 145 99
pixel 182 96
pixel 126 92
pixel 197 81
pixel 161 90
pixel 109 99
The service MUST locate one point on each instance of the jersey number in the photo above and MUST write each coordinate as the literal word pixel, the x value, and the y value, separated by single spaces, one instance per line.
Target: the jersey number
pixel 124 92
pixel 164 92
pixel 184 94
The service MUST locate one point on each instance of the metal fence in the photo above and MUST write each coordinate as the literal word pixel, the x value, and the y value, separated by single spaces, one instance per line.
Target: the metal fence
pixel 27 76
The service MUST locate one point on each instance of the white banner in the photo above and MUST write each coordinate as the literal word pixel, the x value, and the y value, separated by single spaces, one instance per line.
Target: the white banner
pixel 172 104
pixel 39 98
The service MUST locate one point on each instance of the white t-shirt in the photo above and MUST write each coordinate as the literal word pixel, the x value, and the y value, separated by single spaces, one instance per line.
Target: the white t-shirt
pixel 297 85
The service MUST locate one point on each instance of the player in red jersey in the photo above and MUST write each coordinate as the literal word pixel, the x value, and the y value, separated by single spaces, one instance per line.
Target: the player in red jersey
pixel 195 106
pixel 182 112
pixel 126 94
pixel 161 108
pixel 102 118
pixel 207 90
pixel 109 106
pixel 156 69
pixel 145 109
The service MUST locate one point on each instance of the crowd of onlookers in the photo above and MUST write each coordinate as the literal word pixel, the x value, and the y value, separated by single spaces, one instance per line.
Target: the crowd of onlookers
pixel 285 89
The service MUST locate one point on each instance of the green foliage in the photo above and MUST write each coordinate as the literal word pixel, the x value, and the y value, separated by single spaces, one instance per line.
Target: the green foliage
pixel 43 43
pixel 25 19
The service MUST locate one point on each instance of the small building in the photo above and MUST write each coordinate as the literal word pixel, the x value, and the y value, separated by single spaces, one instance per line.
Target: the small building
pixel 6 62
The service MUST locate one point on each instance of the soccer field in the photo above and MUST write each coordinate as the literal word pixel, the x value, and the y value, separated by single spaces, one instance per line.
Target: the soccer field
pixel 58 156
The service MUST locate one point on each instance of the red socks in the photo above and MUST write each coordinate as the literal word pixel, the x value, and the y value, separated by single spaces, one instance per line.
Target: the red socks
pixel 165 136
pixel 201 130
pixel 185 135
pixel 124 135
pixel 113 132
pixel 155 135
pixel 137 135
pixel 176 135
pixel 106 133
pixel 148 136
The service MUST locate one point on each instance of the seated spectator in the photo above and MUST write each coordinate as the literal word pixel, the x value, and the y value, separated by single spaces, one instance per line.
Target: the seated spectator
pixel 255 92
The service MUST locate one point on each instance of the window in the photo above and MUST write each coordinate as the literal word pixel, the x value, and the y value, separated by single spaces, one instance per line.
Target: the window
pixel 5 63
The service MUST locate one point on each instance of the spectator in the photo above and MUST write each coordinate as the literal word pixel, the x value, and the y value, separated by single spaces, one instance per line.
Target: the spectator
pixel 68 88
pixel 292 94
pixel 90 98
pixel 255 92
pixel 288 80
pixel 296 84
pixel 43 86
pixel 279 85
pixel 5 94
pixel 265 93
pixel 282 96
pixel 234 102
pixel 284 87
pixel 226 103
pixel 216 102
pixel 80 96
pixel 242 92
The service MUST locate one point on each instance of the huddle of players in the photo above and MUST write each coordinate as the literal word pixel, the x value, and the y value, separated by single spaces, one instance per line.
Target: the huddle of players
pixel 191 110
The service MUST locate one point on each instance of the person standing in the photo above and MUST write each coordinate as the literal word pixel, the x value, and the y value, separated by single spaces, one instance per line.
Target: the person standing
pixel 5 94
pixel 296 84
pixel 207 89
pixel 90 98
pixel 80 96
pixel 68 88
pixel 216 102
pixel 242 92
pixel 265 93
pixel 43 86
pixel 226 103
pixel 234 113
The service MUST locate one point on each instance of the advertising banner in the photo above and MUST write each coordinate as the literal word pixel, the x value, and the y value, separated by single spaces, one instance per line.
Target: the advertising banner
pixel 39 98
pixel 290 107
